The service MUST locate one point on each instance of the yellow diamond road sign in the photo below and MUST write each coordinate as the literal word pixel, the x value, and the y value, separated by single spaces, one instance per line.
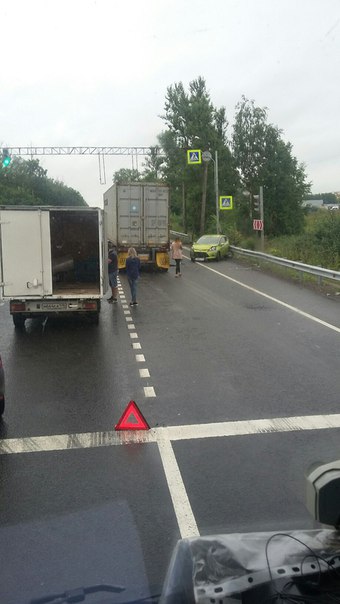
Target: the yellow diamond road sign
pixel 226 202
pixel 194 156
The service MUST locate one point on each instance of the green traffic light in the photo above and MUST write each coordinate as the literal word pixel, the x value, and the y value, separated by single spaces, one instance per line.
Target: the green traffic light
pixel 6 161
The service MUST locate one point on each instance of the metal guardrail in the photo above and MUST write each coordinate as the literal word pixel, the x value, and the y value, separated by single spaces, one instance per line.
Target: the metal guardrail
pixel 185 238
pixel 318 271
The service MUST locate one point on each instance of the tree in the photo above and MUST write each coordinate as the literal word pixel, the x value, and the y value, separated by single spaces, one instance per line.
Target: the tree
pixel 194 123
pixel 263 158
pixel 25 182
pixel 153 165
pixel 125 175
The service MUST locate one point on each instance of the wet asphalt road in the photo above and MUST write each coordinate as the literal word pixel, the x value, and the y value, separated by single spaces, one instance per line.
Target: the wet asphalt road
pixel 215 352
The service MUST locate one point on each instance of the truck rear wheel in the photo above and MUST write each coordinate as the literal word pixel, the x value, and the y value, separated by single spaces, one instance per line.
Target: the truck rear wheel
pixel 19 321
pixel 93 318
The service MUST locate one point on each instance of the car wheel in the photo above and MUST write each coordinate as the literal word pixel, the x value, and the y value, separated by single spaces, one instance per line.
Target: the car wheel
pixel 218 257
pixel 192 259
pixel 2 406
pixel 19 321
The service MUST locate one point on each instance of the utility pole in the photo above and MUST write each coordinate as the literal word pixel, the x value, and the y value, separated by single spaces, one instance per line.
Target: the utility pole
pixel 207 157
pixel 204 197
pixel 184 208
pixel 216 192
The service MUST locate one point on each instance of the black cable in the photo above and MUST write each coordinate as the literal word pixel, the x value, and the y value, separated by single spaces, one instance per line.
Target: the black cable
pixel 280 593
pixel 294 539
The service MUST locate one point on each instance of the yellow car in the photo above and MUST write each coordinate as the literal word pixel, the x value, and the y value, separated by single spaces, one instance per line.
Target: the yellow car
pixel 210 247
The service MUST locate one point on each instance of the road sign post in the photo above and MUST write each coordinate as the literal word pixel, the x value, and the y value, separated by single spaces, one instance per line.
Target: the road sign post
pixel 206 156
pixel 262 218
pixel 258 224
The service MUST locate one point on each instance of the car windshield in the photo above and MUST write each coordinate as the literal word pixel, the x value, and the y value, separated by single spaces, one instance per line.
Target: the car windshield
pixel 209 240
pixel 169 295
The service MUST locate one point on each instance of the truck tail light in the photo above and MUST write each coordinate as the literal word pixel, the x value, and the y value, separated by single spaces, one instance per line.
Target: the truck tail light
pixel 17 306
pixel 90 306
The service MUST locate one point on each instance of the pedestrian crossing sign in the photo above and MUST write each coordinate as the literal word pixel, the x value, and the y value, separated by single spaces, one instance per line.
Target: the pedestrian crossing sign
pixel 194 156
pixel 226 202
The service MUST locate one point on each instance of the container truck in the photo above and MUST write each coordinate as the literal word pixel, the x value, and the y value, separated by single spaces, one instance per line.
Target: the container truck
pixel 53 261
pixel 138 216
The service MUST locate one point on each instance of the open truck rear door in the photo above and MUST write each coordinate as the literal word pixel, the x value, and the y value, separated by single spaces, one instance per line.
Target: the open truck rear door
pixel 25 253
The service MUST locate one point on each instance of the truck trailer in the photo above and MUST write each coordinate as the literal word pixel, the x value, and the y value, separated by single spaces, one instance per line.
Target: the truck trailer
pixel 138 216
pixel 53 261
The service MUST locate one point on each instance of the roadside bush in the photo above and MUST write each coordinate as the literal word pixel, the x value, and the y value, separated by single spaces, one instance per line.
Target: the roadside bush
pixel 248 244
pixel 235 237
pixel 319 245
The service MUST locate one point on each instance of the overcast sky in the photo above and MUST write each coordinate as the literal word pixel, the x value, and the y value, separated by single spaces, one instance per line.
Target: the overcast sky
pixel 95 72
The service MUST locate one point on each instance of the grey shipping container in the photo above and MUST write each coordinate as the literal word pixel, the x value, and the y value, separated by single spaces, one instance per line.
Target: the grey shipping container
pixel 138 216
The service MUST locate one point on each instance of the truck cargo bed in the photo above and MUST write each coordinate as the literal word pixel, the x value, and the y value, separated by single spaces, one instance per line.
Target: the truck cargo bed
pixel 75 289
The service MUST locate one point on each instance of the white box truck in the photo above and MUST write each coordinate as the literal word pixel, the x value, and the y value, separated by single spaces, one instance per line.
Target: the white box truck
pixel 52 260
pixel 138 216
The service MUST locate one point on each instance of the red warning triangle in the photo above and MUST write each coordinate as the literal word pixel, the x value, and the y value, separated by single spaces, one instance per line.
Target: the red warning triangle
pixel 132 419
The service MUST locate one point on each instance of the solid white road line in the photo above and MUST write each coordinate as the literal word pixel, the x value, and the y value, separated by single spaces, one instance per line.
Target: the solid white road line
pixel 163 437
pixel 276 300
pixel 174 433
pixel 254 426
pixel 185 518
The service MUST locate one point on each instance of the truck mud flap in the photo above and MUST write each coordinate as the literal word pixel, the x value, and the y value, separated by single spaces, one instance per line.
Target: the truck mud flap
pixel 163 260
pixel 122 256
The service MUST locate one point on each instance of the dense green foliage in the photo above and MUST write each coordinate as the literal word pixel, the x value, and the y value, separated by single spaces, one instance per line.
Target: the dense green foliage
pixel 125 175
pixel 264 158
pixel 319 244
pixel 194 123
pixel 25 182
pixel 255 155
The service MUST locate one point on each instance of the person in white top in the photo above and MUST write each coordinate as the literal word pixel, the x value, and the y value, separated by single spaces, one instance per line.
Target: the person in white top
pixel 176 253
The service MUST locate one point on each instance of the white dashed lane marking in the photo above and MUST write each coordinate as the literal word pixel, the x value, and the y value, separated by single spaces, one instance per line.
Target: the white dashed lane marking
pixel 149 391
pixel 144 373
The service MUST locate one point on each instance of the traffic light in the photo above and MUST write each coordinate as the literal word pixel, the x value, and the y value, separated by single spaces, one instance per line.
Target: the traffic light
pixel 256 199
pixel 6 158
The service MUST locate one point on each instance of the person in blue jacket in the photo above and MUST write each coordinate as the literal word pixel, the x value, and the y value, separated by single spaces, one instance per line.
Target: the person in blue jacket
pixel 133 273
